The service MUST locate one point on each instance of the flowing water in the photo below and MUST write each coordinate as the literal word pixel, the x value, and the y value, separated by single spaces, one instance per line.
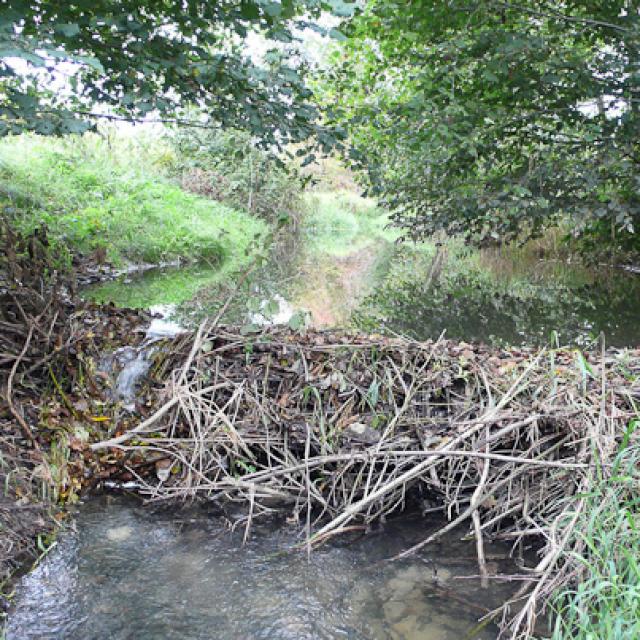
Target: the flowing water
pixel 132 573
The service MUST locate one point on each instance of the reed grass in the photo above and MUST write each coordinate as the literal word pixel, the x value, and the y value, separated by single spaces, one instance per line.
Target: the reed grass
pixel 603 600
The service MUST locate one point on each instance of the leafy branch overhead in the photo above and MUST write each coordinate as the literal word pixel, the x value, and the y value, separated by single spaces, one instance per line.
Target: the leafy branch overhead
pixel 494 118
pixel 62 63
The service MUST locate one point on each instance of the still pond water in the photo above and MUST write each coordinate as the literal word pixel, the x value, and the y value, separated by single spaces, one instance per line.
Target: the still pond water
pixel 487 297
pixel 131 573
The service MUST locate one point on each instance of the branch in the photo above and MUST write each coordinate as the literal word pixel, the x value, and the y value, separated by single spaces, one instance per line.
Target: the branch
pixel 132 119
pixel 551 13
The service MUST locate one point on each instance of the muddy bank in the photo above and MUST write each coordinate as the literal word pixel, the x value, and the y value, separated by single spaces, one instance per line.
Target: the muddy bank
pixel 53 396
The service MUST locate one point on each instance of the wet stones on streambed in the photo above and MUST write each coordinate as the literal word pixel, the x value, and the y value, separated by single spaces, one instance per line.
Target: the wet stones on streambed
pixel 407 607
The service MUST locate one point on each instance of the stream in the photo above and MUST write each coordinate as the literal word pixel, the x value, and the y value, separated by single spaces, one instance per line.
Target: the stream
pixel 378 287
pixel 128 572
pixel 132 572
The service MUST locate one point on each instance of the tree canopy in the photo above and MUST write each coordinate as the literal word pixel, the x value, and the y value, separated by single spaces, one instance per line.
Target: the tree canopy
pixel 492 118
pixel 62 63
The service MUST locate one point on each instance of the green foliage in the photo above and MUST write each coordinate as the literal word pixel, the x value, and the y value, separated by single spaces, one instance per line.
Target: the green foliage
pixel 339 223
pixel 98 196
pixel 141 58
pixel 606 601
pixel 227 166
pixel 495 119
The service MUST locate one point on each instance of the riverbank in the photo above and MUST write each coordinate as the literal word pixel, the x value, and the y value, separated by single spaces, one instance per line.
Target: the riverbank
pixel 53 392
pixel 116 208
pixel 321 270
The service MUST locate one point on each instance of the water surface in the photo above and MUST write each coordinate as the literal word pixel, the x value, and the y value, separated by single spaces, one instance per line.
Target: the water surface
pixel 129 573
pixel 342 267
pixel 503 298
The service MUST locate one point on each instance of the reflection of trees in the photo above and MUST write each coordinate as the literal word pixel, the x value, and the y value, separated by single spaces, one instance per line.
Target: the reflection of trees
pixel 470 307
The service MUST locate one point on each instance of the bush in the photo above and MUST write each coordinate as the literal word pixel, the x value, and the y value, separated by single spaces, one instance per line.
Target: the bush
pixel 227 166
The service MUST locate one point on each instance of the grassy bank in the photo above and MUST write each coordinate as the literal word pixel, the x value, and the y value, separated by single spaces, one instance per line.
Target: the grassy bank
pixel 112 198
pixel 339 251
pixel 604 601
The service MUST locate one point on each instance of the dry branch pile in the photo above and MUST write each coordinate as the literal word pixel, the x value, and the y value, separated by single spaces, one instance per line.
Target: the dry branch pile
pixel 34 332
pixel 44 337
pixel 34 327
pixel 340 428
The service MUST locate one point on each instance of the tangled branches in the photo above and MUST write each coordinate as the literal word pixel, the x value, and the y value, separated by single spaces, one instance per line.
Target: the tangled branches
pixel 33 328
pixel 34 314
pixel 337 428
pixel 45 335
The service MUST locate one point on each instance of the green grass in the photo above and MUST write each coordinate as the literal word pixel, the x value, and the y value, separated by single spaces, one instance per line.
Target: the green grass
pixel 605 604
pixel 341 222
pixel 92 195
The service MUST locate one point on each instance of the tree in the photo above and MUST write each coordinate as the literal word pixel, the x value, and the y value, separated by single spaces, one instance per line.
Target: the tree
pixel 493 118
pixel 62 63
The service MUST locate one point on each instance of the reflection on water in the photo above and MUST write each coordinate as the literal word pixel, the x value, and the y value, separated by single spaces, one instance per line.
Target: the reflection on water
pixel 492 298
pixel 157 286
pixel 129 573
pixel 489 295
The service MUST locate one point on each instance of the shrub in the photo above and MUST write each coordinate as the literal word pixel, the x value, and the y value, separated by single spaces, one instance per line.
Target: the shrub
pixel 227 166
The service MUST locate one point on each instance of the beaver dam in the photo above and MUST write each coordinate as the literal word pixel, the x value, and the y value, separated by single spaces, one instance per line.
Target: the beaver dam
pixel 339 431
pixel 333 433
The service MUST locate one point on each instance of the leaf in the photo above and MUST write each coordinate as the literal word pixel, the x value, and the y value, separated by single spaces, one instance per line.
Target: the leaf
pixel 308 160
pixel 373 393
pixel 68 29
pixel 271 308
pixel 298 321
pixel 249 329
pixel 341 8
pixel 336 34
pixel 272 9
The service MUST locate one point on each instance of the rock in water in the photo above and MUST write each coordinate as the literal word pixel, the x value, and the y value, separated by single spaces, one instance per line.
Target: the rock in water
pixel 118 534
